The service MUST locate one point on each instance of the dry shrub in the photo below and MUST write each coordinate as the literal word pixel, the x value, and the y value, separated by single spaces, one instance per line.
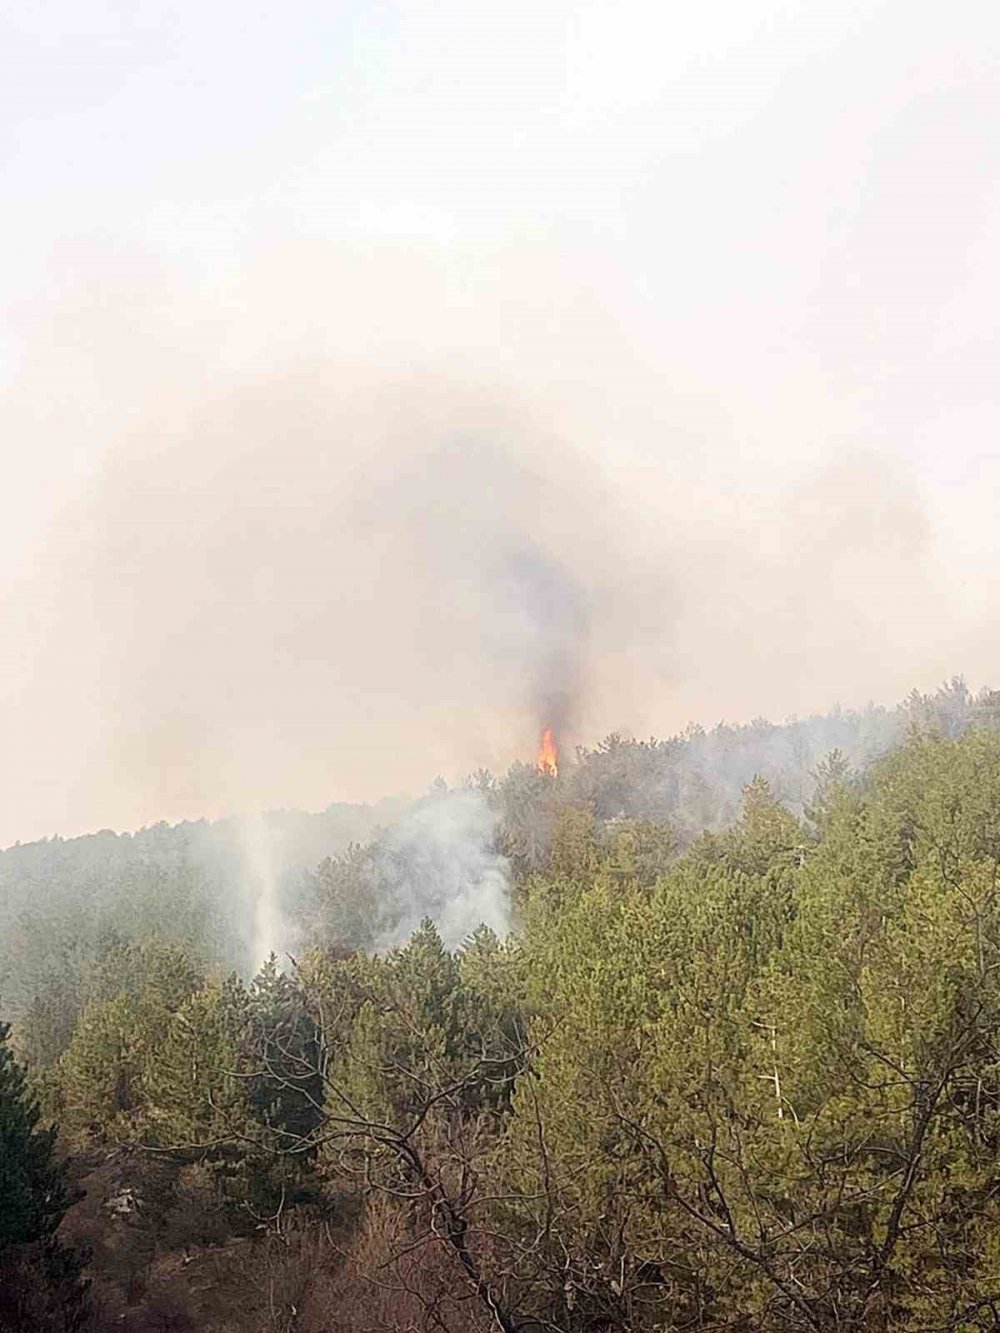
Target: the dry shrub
pixel 196 1216
pixel 394 1276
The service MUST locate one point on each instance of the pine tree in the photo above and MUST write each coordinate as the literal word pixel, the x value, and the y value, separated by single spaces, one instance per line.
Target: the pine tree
pixel 40 1286
pixel 284 1046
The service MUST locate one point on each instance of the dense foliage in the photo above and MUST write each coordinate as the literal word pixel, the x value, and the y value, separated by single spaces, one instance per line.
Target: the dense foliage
pixel 40 1286
pixel 747 1078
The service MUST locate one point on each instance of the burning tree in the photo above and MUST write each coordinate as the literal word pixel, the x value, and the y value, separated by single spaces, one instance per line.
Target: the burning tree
pixel 548 754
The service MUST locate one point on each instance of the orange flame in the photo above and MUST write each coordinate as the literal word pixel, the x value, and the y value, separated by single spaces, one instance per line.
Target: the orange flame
pixel 548 755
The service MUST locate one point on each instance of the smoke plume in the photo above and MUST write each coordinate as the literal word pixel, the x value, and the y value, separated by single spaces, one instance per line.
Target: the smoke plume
pixel 438 861
pixel 262 865
pixel 330 533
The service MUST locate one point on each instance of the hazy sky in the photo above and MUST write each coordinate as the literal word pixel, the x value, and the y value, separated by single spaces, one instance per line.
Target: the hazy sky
pixel 366 364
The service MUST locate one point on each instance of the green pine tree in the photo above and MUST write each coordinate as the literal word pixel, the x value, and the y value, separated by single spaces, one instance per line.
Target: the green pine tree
pixel 40 1284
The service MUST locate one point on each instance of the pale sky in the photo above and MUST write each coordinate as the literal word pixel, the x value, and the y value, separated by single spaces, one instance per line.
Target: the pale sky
pixel 316 318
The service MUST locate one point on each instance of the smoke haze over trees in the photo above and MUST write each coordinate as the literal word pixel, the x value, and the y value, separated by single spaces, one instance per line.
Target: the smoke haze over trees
pixel 491 495
pixel 447 855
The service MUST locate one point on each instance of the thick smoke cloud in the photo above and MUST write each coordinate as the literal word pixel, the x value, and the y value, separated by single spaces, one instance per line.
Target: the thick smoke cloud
pixel 329 534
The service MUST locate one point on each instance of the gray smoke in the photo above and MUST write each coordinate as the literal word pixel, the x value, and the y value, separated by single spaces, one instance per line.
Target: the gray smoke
pixel 557 621
pixel 480 512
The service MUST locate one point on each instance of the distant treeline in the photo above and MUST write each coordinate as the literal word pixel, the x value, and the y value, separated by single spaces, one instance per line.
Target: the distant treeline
pixel 194 882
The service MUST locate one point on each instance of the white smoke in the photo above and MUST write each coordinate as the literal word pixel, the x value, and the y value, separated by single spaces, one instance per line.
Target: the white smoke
pixel 439 861
pixel 261 861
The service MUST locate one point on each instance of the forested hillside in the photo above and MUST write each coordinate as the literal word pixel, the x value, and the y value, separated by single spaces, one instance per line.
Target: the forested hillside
pixel 731 1064
pixel 195 882
pixel 185 882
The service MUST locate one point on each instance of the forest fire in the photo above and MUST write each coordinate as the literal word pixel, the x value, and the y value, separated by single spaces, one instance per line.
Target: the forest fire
pixel 548 754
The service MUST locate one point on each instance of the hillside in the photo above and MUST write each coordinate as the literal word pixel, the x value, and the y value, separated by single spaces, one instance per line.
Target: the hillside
pixel 735 1075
